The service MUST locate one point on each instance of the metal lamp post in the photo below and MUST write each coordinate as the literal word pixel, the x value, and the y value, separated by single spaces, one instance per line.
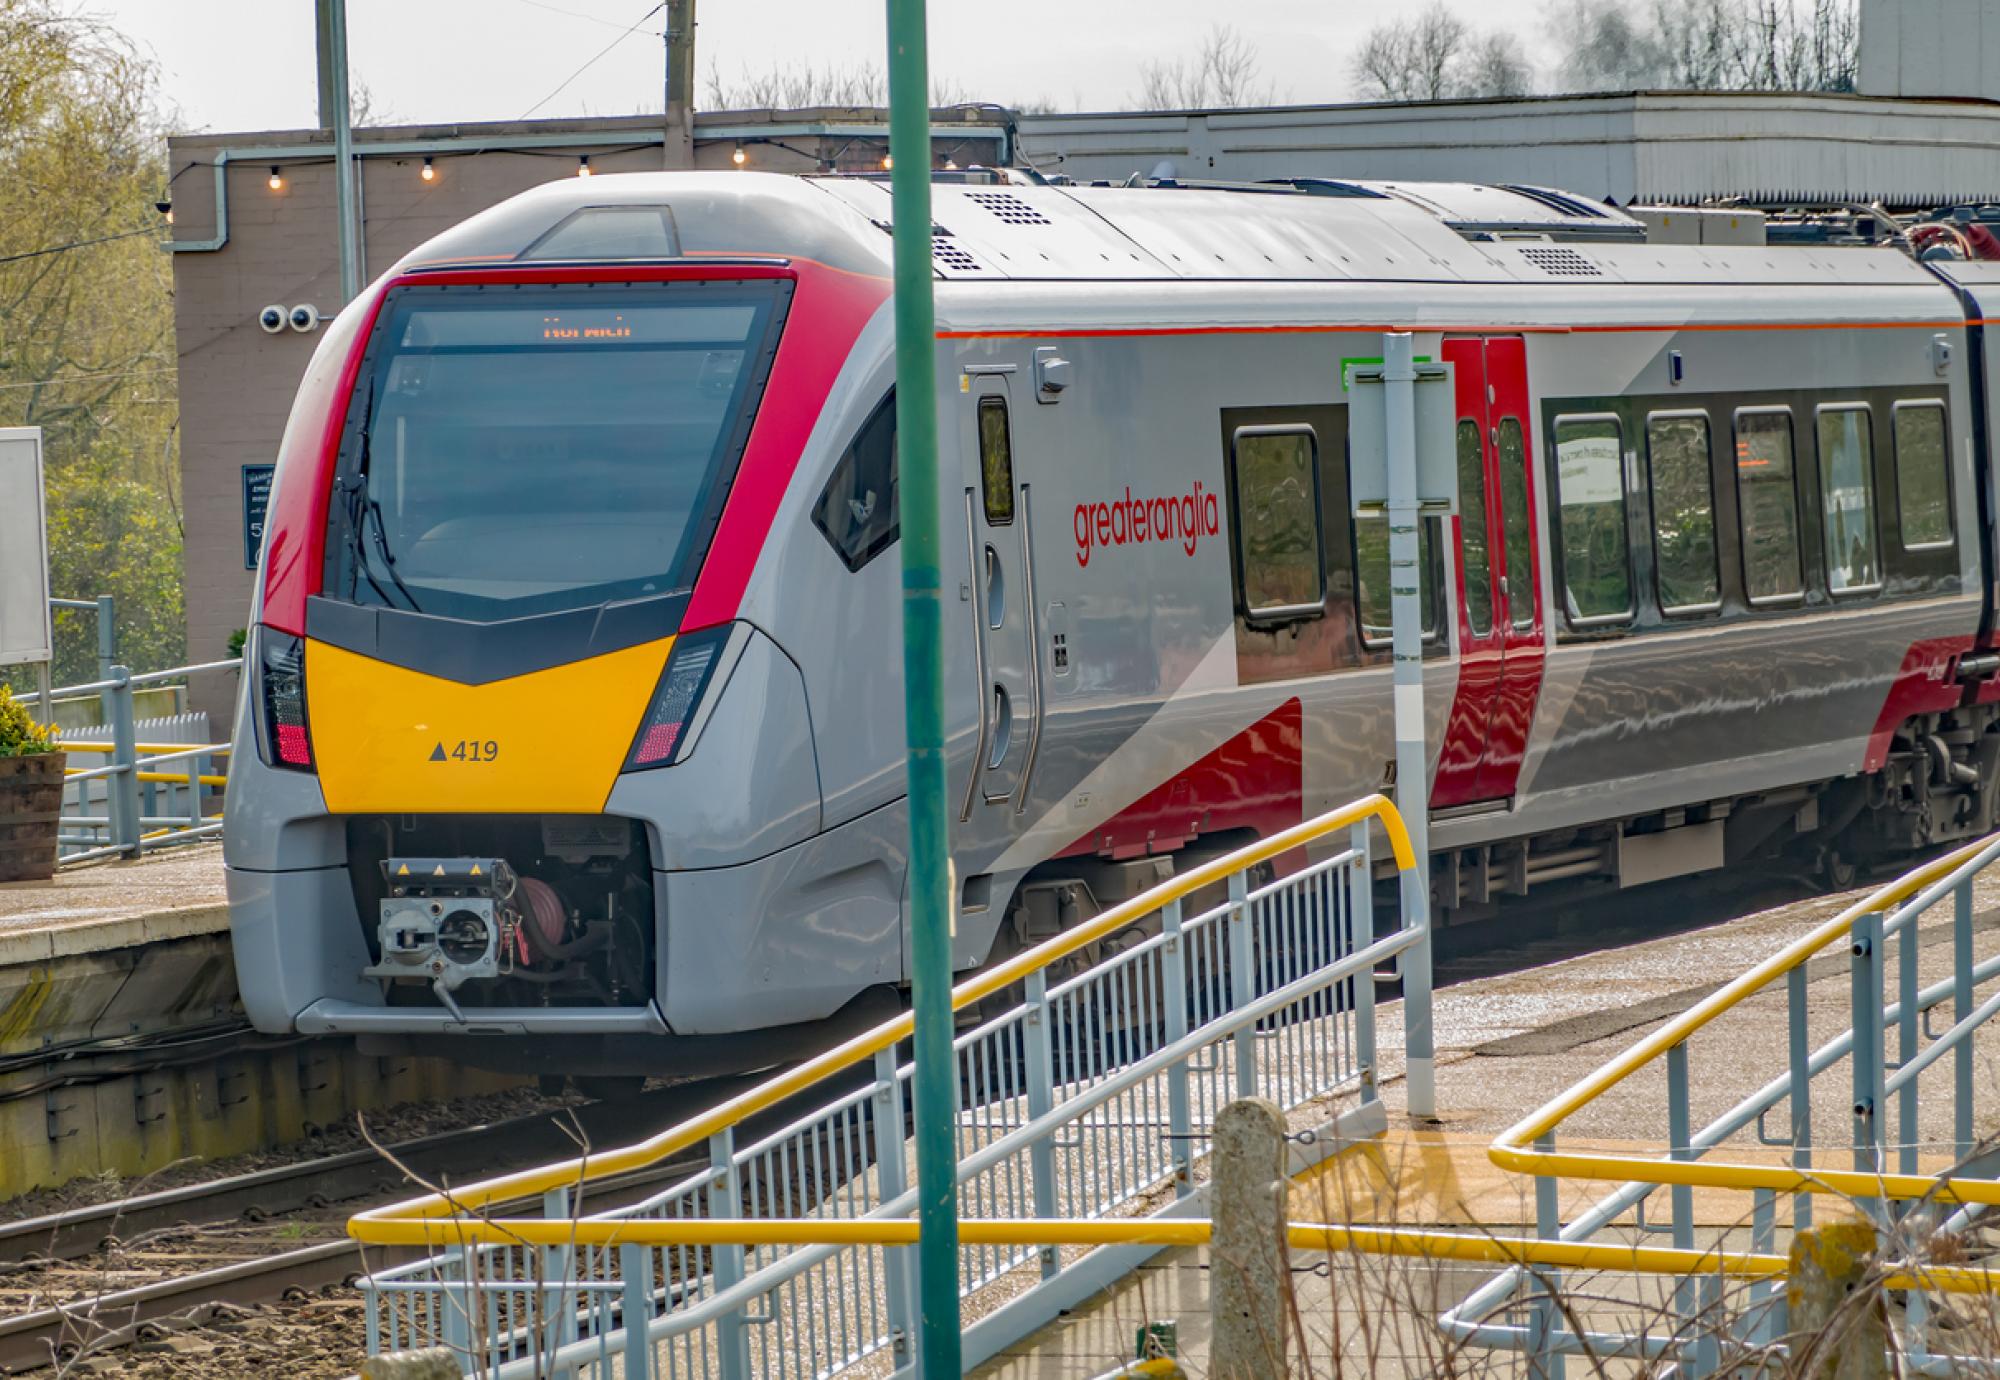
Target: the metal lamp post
pixel 923 681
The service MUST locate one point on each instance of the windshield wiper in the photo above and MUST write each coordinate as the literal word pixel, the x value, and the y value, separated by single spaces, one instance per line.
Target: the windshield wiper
pixel 360 508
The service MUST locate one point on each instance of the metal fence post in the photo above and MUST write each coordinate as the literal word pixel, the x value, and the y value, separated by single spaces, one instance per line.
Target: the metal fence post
pixel 559 1266
pixel 892 1176
pixel 122 788
pixel 1544 1361
pixel 1961 1008
pixel 725 1200
pixel 1906 1045
pixel 635 1268
pixel 1173 977
pixel 1800 1059
pixel 1361 922
pixel 1242 983
pixel 1041 1101
pixel 107 635
pixel 1865 1001
pixel 1680 1138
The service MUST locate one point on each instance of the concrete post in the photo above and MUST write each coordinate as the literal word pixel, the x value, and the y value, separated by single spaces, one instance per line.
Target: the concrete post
pixel 436 1363
pixel 1249 1268
pixel 1842 1340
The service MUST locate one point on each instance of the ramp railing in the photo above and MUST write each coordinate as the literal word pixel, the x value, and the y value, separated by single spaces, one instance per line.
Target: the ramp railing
pixel 1897 1138
pixel 1086 1088
pixel 136 775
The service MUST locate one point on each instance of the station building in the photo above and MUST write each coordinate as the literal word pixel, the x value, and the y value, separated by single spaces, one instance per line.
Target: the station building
pixel 255 224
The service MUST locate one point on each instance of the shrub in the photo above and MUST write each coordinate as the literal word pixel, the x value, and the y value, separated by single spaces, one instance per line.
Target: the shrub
pixel 21 736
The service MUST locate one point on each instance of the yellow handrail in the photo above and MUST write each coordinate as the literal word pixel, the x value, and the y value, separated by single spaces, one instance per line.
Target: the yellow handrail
pixel 1514 1148
pixel 438 1220
pixel 94 745
pixel 1424 1243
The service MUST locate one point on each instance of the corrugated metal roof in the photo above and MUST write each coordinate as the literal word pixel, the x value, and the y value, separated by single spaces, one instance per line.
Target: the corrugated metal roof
pixel 1635 146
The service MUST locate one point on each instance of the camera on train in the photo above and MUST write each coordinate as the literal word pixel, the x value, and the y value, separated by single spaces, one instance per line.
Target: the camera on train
pixel 272 319
pixel 304 317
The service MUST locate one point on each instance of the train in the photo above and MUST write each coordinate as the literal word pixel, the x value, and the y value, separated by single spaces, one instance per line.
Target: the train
pixel 573 673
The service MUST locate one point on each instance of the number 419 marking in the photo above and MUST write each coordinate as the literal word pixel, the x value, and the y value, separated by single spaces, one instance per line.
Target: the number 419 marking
pixel 467 750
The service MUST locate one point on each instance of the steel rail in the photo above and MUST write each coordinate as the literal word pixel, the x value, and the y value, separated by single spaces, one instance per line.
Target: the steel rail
pixel 442 1222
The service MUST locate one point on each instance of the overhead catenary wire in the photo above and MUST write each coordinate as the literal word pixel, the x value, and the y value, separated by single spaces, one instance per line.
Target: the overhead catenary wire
pixel 636 28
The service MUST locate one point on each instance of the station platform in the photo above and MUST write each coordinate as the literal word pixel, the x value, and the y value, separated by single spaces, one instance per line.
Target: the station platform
pixel 112 905
pixel 123 1044
pixel 1506 1044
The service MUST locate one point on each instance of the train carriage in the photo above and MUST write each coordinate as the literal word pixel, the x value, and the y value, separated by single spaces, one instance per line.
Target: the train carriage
pixel 575 675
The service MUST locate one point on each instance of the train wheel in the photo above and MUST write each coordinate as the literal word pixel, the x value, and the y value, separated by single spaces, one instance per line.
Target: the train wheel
pixel 1836 869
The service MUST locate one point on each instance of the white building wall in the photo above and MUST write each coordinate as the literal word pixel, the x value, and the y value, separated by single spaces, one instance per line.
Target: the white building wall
pixel 1930 48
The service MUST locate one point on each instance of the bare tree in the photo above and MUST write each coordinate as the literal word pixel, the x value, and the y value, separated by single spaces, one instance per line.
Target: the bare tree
pixel 1718 45
pixel 803 86
pixel 1436 55
pixel 1225 72
pixel 1495 65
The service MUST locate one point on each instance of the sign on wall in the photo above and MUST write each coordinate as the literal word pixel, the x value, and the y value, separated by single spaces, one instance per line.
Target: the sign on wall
pixel 256 504
pixel 24 549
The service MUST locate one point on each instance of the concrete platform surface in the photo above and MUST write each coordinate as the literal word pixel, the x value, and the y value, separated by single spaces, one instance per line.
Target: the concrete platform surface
pixel 1507 1044
pixel 111 905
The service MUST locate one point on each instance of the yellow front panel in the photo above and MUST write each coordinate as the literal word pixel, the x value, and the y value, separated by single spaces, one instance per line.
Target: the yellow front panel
pixel 391 740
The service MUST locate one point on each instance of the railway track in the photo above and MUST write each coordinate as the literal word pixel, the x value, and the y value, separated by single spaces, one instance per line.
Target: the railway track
pixel 99 1277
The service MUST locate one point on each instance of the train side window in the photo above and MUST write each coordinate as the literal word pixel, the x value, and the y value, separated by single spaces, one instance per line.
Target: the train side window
pixel 1847 497
pixel 1280 559
pixel 1590 489
pixel 1472 529
pixel 857 510
pixel 996 461
pixel 1768 504
pixel 1677 465
pixel 1518 537
pixel 1923 475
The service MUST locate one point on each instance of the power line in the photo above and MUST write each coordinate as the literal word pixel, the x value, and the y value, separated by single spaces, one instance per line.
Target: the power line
pixel 593 61
pixel 574 14
pixel 76 244
pixel 81 379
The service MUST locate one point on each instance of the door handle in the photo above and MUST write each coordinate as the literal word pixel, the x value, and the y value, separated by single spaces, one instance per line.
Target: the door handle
pixel 1034 616
pixel 973 551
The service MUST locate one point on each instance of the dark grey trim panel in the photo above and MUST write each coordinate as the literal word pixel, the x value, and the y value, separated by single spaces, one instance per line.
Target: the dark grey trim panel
pixel 478 653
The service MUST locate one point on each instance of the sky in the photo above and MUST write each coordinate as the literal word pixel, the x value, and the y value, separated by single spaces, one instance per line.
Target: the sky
pixel 239 65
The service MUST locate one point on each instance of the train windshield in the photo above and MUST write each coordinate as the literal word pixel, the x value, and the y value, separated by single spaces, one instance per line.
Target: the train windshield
pixel 527 450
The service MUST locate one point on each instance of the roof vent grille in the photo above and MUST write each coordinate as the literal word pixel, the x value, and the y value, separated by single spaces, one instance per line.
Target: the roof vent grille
pixel 948 255
pixel 1563 263
pixel 1008 207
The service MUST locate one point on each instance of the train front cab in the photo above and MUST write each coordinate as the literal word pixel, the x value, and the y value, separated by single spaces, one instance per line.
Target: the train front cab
pixel 483 659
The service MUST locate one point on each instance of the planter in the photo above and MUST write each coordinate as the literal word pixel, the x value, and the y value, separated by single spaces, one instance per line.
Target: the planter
pixel 31 790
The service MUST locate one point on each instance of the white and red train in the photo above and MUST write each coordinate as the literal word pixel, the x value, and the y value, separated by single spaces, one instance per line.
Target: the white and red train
pixel 575 674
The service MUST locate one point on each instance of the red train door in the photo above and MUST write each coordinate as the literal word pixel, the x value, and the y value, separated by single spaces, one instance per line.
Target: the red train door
pixel 1499 584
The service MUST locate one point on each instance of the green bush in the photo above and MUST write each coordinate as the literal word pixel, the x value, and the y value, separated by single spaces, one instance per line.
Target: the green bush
pixel 21 736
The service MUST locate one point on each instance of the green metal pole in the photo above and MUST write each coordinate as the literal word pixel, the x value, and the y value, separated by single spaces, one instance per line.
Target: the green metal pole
pixel 923 682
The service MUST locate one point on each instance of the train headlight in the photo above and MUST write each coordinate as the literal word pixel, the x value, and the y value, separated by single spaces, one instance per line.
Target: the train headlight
pixel 664 729
pixel 279 703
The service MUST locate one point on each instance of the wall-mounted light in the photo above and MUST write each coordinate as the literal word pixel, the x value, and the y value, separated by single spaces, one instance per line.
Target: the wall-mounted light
pixel 165 208
pixel 276 181
pixel 583 165
pixel 429 173
pixel 887 162
pixel 951 165
pixel 739 158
